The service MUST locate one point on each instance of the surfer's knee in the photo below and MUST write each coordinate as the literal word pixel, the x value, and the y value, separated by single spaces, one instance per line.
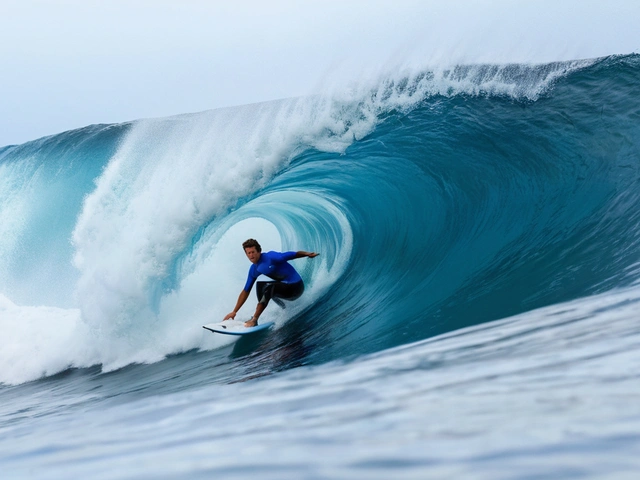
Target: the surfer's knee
pixel 266 294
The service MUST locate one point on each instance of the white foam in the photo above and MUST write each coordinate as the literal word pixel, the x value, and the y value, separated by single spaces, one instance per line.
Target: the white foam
pixel 39 341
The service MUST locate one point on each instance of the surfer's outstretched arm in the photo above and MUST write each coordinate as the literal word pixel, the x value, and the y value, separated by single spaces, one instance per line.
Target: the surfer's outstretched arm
pixel 302 253
pixel 241 299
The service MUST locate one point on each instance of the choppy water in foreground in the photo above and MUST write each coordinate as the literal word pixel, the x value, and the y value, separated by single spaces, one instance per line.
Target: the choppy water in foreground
pixel 551 393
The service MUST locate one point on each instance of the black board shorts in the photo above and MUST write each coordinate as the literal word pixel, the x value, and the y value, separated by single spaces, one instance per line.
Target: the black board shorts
pixel 287 291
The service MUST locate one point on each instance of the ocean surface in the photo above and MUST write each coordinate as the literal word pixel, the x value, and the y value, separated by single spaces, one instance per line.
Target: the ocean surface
pixel 474 311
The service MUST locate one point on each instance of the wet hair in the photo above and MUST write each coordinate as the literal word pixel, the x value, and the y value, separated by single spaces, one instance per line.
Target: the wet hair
pixel 252 243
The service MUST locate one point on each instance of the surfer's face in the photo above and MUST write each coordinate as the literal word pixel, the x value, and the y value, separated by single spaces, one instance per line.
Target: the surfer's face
pixel 252 254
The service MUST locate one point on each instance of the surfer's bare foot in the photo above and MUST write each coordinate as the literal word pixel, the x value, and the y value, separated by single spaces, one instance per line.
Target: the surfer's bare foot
pixel 252 322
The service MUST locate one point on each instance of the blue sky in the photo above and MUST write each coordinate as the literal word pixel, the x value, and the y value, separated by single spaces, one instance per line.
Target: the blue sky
pixel 69 63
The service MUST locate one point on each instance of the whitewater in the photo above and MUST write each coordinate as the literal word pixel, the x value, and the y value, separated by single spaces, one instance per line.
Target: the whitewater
pixel 473 312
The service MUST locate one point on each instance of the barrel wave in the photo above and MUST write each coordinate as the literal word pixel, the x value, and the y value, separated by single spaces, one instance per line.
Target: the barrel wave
pixel 438 199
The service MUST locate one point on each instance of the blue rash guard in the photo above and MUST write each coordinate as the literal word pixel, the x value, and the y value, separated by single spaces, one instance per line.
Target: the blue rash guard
pixel 274 265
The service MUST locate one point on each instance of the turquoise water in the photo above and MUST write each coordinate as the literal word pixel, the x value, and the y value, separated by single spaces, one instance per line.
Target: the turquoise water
pixel 473 310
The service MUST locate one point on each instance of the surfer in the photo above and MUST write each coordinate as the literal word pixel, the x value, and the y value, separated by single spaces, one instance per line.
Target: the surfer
pixel 287 283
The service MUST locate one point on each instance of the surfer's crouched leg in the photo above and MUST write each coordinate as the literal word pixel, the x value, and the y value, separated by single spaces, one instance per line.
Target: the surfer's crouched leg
pixel 278 290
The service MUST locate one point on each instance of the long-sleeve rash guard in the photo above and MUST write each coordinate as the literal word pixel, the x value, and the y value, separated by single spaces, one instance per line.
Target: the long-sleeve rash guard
pixel 274 265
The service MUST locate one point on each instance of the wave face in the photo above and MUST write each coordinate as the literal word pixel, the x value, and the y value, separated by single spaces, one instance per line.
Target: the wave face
pixel 438 200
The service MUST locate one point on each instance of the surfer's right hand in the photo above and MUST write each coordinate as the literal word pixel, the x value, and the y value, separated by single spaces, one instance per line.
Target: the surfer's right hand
pixel 230 316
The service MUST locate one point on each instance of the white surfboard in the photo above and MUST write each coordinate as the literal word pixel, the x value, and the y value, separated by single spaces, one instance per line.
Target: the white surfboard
pixel 236 327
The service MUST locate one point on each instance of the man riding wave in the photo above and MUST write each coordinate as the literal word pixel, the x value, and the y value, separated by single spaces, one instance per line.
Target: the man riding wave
pixel 286 282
